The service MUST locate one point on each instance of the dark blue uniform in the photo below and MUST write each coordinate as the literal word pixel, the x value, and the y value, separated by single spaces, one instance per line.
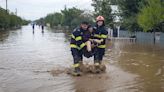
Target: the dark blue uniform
pixel 77 44
pixel 100 33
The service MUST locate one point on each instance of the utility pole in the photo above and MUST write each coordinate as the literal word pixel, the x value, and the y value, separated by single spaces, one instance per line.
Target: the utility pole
pixel 16 11
pixel 6 6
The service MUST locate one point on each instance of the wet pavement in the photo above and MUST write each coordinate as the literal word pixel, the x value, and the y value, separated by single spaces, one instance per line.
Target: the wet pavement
pixel 27 59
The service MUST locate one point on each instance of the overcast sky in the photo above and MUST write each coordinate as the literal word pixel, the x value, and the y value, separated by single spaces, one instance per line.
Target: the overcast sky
pixel 34 9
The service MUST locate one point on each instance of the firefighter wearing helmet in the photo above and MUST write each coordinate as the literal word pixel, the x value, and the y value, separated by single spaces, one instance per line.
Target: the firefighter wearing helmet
pixel 100 34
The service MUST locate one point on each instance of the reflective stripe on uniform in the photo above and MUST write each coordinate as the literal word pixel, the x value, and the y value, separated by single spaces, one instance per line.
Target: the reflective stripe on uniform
pixel 72 36
pixel 76 65
pixel 102 46
pixel 100 36
pixel 78 38
pixel 104 36
pixel 73 46
pixel 96 35
pixel 82 45
pixel 97 64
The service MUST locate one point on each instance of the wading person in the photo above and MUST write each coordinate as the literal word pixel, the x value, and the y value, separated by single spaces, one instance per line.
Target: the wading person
pixel 42 28
pixel 33 27
pixel 100 35
pixel 77 45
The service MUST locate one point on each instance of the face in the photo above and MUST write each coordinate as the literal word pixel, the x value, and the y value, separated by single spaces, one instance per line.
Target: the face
pixel 90 29
pixel 100 23
pixel 84 26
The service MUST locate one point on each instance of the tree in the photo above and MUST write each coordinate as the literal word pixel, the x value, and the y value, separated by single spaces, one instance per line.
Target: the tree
pixel 4 19
pixel 71 15
pixel 103 7
pixel 128 13
pixel 47 19
pixel 10 20
pixel 152 15
pixel 54 19
pixel 129 10
pixel 58 19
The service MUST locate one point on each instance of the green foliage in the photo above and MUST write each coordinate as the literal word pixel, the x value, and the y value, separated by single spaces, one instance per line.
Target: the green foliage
pixel 8 20
pixel 71 17
pixel 152 15
pixel 103 7
pixel 131 24
pixel 129 7
pixel 4 19
pixel 128 12
pixel 53 19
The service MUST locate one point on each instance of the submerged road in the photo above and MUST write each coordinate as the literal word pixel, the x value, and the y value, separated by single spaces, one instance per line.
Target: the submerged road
pixel 26 60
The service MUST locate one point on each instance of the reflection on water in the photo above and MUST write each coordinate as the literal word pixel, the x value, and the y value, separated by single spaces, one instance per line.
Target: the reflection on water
pixel 27 58
pixel 3 35
pixel 144 60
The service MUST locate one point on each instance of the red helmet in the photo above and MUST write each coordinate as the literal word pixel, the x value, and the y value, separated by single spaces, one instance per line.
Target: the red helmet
pixel 100 18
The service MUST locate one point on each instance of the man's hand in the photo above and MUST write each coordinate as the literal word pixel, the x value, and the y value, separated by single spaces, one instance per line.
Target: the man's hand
pixel 98 41
pixel 91 40
pixel 92 46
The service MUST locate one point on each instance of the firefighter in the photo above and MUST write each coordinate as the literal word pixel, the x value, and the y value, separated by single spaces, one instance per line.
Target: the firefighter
pixel 100 35
pixel 77 45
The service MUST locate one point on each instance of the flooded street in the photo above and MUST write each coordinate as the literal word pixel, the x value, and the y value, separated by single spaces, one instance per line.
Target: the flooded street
pixel 27 59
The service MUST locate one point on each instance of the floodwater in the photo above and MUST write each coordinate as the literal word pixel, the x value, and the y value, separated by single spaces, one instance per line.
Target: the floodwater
pixel 27 61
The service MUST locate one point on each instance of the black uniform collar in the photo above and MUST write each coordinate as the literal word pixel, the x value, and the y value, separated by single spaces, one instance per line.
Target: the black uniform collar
pixel 99 26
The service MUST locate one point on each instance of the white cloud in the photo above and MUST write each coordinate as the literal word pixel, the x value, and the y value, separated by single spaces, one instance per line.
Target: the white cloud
pixel 34 9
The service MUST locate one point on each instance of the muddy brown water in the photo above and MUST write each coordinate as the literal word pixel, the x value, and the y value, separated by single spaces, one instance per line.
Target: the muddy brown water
pixel 37 63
